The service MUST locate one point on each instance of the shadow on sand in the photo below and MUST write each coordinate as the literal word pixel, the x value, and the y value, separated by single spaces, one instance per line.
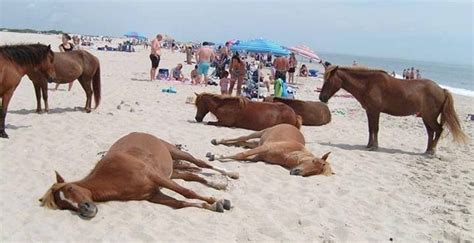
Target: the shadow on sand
pixel 363 148
pixel 13 127
pixel 51 111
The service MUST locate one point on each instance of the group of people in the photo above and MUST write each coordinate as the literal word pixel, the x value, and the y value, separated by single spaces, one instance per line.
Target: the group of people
pixel 410 73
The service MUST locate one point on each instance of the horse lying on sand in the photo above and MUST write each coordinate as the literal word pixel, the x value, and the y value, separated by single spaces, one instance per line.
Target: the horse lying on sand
pixel 69 66
pixel 15 62
pixel 134 168
pixel 313 113
pixel 281 145
pixel 378 92
pixel 243 113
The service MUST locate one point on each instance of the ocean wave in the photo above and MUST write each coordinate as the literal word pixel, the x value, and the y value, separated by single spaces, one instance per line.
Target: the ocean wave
pixel 459 91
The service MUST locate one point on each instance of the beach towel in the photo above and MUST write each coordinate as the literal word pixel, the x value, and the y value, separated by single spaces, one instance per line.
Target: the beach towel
pixel 278 87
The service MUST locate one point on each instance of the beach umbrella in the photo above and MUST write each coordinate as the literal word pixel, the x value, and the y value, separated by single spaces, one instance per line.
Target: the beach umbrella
pixel 260 46
pixel 304 51
pixel 135 35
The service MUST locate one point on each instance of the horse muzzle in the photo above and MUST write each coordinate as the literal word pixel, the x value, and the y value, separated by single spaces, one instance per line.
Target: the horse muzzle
pixel 198 119
pixel 323 98
pixel 295 171
pixel 87 210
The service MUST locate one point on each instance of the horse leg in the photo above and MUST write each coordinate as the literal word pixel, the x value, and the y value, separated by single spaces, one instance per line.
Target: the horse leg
pixel 188 176
pixel 432 128
pixel 161 198
pixel 3 113
pixel 248 155
pixel 177 154
pixel 44 89
pixel 86 85
pixel 217 205
pixel 373 118
pixel 38 96
pixel 240 141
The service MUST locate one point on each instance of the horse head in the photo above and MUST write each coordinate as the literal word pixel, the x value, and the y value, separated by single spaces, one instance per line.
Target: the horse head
pixel 202 107
pixel 47 66
pixel 69 196
pixel 332 83
pixel 311 165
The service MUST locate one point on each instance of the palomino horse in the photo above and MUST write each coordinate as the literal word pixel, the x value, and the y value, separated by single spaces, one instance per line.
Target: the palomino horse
pixel 15 62
pixel 282 145
pixel 379 92
pixel 313 113
pixel 243 113
pixel 72 65
pixel 134 168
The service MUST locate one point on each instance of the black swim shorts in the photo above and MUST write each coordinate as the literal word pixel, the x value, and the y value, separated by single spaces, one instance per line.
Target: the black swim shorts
pixel 155 60
pixel 291 70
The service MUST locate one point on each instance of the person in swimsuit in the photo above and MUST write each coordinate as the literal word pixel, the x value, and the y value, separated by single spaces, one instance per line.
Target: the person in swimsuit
pixel 177 74
pixel 224 82
pixel 155 55
pixel 292 68
pixel 65 47
pixel 281 65
pixel 237 73
pixel 204 56
pixel 303 71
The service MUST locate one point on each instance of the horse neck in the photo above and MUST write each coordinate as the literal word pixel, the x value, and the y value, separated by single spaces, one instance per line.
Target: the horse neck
pixel 212 104
pixel 99 188
pixel 353 82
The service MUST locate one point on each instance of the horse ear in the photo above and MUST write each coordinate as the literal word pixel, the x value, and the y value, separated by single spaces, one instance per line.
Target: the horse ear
pixel 325 157
pixel 59 179
pixel 196 94
pixel 49 47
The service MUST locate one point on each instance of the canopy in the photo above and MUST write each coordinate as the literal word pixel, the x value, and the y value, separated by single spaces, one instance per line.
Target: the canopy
pixel 136 35
pixel 259 46
pixel 304 51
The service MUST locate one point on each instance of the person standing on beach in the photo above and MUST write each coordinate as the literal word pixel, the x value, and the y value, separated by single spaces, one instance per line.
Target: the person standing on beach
pixel 404 73
pixel 65 46
pixel 412 73
pixel 418 75
pixel 354 63
pixel 237 69
pixel 292 68
pixel 204 56
pixel 155 55
pixel 281 65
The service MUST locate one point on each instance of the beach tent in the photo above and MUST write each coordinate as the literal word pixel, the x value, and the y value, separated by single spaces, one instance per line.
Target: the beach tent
pixel 260 46
pixel 135 35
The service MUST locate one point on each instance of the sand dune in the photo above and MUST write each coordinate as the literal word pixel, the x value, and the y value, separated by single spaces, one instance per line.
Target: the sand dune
pixel 395 192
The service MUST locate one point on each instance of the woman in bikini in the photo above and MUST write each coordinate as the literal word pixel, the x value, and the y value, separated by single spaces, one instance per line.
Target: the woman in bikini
pixel 292 69
pixel 237 73
pixel 65 47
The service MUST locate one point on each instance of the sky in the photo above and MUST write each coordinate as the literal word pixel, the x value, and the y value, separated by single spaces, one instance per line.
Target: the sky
pixel 439 31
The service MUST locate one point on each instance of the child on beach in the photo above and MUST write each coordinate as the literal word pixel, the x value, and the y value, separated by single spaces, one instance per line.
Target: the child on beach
pixel 195 77
pixel 224 82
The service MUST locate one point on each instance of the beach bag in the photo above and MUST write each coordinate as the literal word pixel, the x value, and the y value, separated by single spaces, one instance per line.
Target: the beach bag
pixel 284 90
pixel 278 88
pixel 163 73
pixel 313 73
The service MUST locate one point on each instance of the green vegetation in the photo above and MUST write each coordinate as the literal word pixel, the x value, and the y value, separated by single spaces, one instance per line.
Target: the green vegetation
pixel 33 31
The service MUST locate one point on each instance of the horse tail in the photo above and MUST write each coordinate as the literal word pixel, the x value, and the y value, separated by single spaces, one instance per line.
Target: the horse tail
pixel 96 86
pixel 299 121
pixel 449 117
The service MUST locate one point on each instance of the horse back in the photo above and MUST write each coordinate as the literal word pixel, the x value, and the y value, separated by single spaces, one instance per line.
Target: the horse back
pixel 260 115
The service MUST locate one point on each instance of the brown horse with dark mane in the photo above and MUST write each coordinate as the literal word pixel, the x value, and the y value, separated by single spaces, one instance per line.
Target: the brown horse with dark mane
pixel 378 92
pixel 282 145
pixel 136 167
pixel 15 62
pixel 71 65
pixel 243 113
pixel 313 113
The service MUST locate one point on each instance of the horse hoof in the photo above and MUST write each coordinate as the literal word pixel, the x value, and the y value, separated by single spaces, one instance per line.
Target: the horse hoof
pixel 218 207
pixel 3 134
pixel 372 148
pixel 208 154
pixel 214 141
pixel 212 157
pixel 226 204
pixel 233 175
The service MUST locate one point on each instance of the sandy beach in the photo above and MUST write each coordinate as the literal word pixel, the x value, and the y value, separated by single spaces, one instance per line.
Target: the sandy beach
pixel 394 193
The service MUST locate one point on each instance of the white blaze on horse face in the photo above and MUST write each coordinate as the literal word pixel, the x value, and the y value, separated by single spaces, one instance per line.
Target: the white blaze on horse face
pixel 62 197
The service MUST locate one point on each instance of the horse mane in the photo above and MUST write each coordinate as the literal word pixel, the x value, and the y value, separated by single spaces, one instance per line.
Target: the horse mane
pixel 48 198
pixel 331 69
pixel 242 100
pixel 25 54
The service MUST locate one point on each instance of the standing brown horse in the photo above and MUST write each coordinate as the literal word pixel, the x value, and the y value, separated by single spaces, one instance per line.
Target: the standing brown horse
pixel 136 167
pixel 379 92
pixel 15 62
pixel 313 113
pixel 72 65
pixel 243 113
pixel 282 145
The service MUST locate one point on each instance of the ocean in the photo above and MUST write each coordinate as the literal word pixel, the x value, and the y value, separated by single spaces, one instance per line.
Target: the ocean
pixel 457 78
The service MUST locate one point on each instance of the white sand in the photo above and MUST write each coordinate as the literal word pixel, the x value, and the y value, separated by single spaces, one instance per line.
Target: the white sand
pixel 374 196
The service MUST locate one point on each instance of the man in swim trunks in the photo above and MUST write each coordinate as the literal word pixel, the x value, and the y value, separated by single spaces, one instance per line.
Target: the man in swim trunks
pixel 155 55
pixel 204 56
pixel 281 65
